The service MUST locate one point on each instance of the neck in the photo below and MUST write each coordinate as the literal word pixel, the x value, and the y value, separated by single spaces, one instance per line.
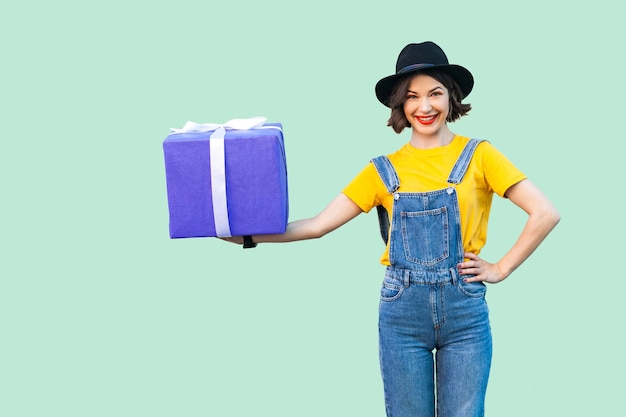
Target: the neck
pixel 442 138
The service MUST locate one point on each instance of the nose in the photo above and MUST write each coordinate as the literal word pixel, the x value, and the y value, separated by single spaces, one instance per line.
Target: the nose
pixel 424 105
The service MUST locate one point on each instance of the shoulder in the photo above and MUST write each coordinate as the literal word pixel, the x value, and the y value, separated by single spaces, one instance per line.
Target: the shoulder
pixel 483 146
pixel 488 152
pixel 498 170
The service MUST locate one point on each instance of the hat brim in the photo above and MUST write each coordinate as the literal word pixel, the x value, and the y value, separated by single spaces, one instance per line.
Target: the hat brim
pixel 460 74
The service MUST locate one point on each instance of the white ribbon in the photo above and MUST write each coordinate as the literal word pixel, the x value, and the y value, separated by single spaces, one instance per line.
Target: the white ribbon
pixel 234 124
pixel 218 168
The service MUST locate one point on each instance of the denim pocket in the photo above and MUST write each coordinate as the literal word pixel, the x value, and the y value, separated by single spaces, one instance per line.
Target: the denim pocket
pixel 391 289
pixel 425 236
pixel 472 289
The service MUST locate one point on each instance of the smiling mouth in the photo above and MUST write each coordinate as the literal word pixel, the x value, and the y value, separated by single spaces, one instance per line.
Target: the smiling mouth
pixel 426 120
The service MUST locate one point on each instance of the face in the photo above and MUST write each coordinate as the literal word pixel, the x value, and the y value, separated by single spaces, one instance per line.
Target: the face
pixel 427 105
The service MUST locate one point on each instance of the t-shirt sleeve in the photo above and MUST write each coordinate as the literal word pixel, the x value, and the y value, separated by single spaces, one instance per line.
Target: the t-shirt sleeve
pixel 365 188
pixel 500 172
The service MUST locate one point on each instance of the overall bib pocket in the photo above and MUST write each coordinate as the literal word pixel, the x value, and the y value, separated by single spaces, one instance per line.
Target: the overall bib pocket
pixel 425 236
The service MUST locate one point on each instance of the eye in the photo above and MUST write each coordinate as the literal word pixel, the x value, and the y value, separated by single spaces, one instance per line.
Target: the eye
pixel 411 97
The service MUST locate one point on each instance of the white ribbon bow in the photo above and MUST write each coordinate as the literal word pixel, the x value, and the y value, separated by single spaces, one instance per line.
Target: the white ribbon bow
pixel 218 168
pixel 234 124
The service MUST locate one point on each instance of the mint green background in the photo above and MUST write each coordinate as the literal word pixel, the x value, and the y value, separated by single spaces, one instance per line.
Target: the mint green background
pixel 101 314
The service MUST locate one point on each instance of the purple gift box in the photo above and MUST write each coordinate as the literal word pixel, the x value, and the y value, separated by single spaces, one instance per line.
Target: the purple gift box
pixel 239 184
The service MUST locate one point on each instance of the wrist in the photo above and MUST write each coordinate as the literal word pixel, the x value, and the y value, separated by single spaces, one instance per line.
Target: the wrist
pixel 502 271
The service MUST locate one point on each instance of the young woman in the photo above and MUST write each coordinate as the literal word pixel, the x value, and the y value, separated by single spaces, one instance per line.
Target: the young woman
pixel 434 196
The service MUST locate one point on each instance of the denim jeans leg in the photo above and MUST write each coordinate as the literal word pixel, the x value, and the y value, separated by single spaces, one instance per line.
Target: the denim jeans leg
pixel 407 339
pixel 463 359
pixel 408 379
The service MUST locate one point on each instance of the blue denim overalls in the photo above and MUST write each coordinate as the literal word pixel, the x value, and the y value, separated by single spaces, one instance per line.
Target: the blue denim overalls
pixel 426 307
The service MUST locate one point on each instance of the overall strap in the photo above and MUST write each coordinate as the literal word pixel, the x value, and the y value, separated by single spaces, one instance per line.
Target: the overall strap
pixel 387 173
pixel 390 179
pixel 460 167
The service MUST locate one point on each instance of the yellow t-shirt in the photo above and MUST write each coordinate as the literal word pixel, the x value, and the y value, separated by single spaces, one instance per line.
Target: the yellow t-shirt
pixel 422 170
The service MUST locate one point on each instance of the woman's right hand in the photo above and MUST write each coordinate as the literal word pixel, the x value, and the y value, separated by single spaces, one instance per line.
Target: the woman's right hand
pixel 234 239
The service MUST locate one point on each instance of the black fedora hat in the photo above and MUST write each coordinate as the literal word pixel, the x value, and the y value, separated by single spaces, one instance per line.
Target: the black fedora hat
pixel 420 56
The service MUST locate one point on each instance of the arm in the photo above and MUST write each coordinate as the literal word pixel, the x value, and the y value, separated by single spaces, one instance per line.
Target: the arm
pixel 542 218
pixel 337 213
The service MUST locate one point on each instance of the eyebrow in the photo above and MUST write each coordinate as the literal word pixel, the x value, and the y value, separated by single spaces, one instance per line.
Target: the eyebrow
pixel 431 90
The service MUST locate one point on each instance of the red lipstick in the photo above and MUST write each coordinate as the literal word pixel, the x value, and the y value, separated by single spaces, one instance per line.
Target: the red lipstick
pixel 426 120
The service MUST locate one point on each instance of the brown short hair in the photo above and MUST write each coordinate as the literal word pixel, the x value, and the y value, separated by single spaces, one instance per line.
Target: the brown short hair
pixel 398 120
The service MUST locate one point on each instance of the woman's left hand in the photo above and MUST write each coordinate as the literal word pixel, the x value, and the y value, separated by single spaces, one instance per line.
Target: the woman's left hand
pixel 483 270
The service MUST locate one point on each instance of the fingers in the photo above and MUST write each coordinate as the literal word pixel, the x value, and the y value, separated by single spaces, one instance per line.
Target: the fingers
pixel 473 266
pixel 479 269
pixel 471 256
